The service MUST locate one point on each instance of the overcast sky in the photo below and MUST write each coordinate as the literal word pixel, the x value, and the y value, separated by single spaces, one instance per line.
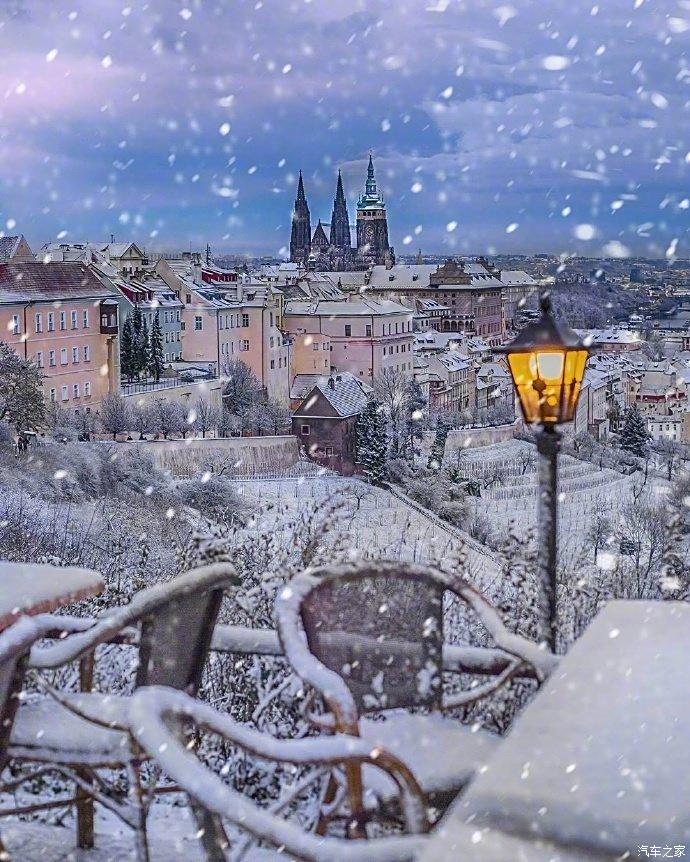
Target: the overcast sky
pixel 495 126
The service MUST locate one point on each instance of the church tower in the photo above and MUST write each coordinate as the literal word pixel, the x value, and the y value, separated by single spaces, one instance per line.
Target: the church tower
pixel 300 235
pixel 372 225
pixel 340 221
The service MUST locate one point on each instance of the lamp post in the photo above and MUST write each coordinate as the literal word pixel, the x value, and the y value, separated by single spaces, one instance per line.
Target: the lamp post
pixel 547 362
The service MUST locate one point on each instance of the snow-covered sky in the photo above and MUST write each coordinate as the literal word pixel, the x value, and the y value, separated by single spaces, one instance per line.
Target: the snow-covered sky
pixel 531 125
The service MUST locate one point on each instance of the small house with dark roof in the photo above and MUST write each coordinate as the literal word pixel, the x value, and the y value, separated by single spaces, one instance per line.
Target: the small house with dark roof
pixel 325 421
pixel 15 249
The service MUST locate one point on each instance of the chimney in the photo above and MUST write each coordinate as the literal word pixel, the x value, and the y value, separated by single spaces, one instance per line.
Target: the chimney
pixel 331 382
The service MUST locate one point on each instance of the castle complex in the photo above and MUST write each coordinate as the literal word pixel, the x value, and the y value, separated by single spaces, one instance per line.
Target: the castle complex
pixel 333 252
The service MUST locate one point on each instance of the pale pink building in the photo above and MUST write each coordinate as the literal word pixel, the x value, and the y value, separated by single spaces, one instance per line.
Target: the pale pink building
pixel 367 336
pixel 226 318
pixel 63 319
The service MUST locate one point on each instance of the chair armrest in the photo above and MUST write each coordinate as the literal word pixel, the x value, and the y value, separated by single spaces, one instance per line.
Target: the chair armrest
pixel 58 627
pixel 143 604
pixel 245 641
pixel 542 660
pixel 483 661
pixel 153 707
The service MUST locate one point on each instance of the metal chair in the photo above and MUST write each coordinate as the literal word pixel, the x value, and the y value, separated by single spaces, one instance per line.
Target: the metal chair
pixel 155 713
pixel 88 731
pixel 374 642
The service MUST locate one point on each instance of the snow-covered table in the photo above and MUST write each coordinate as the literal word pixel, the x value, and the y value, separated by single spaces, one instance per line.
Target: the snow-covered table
pixel 599 762
pixel 32 589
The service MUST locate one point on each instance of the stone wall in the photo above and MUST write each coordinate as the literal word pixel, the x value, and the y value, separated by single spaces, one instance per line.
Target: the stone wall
pixel 232 456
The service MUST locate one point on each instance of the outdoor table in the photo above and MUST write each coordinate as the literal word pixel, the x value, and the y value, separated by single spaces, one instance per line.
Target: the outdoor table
pixel 599 762
pixel 32 589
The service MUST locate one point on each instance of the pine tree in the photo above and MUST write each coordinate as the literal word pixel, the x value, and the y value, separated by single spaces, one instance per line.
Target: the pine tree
pixel 127 349
pixel 156 349
pixel 439 445
pixel 372 442
pixel 414 406
pixel 142 349
pixel 634 435
pixel 21 391
pixel 137 326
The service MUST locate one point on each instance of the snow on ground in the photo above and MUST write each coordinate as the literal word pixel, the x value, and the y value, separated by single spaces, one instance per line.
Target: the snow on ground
pixel 511 498
pixel 172 836
pixel 375 523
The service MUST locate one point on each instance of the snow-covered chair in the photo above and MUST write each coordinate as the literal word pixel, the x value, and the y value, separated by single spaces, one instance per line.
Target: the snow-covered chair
pixel 374 644
pixel 88 731
pixel 154 714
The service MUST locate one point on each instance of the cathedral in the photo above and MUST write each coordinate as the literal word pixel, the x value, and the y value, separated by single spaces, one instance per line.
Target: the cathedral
pixel 333 251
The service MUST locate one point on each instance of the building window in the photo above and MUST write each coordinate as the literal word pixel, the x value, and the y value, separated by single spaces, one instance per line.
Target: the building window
pixel 85 319
pixel 348 329
pixel 73 317
pixel 329 451
pixel 305 430
pixel 39 359
pixel 245 320
pixel 63 356
pixel 368 330
pixel 75 390
pixel 63 393
pixel 39 323
pixel 198 322
pixel 189 298
pixel 75 355
pixel 87 389
pixel 244 344
pixel 87 353
pixel 63 320
pixel 53 395
pixel 51 358
pixel 273 363
pixel 14 324
pixel 51 321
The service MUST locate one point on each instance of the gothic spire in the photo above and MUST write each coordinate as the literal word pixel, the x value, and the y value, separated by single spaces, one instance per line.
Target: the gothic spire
pixel 301 197
pixel 340 222
pixel 371 179
pixel 300 235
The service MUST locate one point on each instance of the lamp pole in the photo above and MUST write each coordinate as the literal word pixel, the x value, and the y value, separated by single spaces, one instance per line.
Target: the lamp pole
pixel 548 447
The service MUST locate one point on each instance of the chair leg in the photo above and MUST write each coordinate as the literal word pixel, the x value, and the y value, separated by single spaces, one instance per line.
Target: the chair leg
pixel 137 794
pixel 4 854
pixel 85 816
pixel 327 799
pixel 212 836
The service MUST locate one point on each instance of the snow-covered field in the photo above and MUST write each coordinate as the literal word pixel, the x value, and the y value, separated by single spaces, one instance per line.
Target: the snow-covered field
pixel 373 522
pixel 511 498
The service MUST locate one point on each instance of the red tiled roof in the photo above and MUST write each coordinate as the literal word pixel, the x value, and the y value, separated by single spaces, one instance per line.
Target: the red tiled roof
pixel 37 282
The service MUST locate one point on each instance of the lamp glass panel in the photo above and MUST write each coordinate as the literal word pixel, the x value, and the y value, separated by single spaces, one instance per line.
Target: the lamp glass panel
pixel 550 366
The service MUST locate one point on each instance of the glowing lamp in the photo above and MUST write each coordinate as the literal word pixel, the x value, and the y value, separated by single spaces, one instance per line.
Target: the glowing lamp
pixel 547 362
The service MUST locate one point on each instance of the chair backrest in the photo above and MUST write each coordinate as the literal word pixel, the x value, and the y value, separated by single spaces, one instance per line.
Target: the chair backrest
pixel 379 627
pixel 15 645
pixel 175 640
pixel 176 620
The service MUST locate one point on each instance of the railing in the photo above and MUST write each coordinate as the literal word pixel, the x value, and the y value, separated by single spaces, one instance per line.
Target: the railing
pixel 136 387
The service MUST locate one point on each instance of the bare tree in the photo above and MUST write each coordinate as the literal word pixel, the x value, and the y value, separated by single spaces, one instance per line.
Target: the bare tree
pixel 670 454
pixel 241 389
pixel 114 415
pixel 143 419
pixel 206 416
pixel 391 388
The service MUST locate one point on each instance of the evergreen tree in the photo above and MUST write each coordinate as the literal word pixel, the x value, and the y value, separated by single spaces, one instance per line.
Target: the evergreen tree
pixel 372 442
pixel 414 406
pixel 141 350
pixel 634 435
pixel 137 326
pixel 127 349
pixel 21 391
pixel 439 445
pixel 156 350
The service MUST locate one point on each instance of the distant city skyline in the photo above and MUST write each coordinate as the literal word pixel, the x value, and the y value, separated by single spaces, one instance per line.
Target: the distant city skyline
pixel 495 128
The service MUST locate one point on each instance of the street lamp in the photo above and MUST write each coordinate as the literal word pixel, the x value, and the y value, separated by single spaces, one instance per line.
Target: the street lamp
pixel 547 362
